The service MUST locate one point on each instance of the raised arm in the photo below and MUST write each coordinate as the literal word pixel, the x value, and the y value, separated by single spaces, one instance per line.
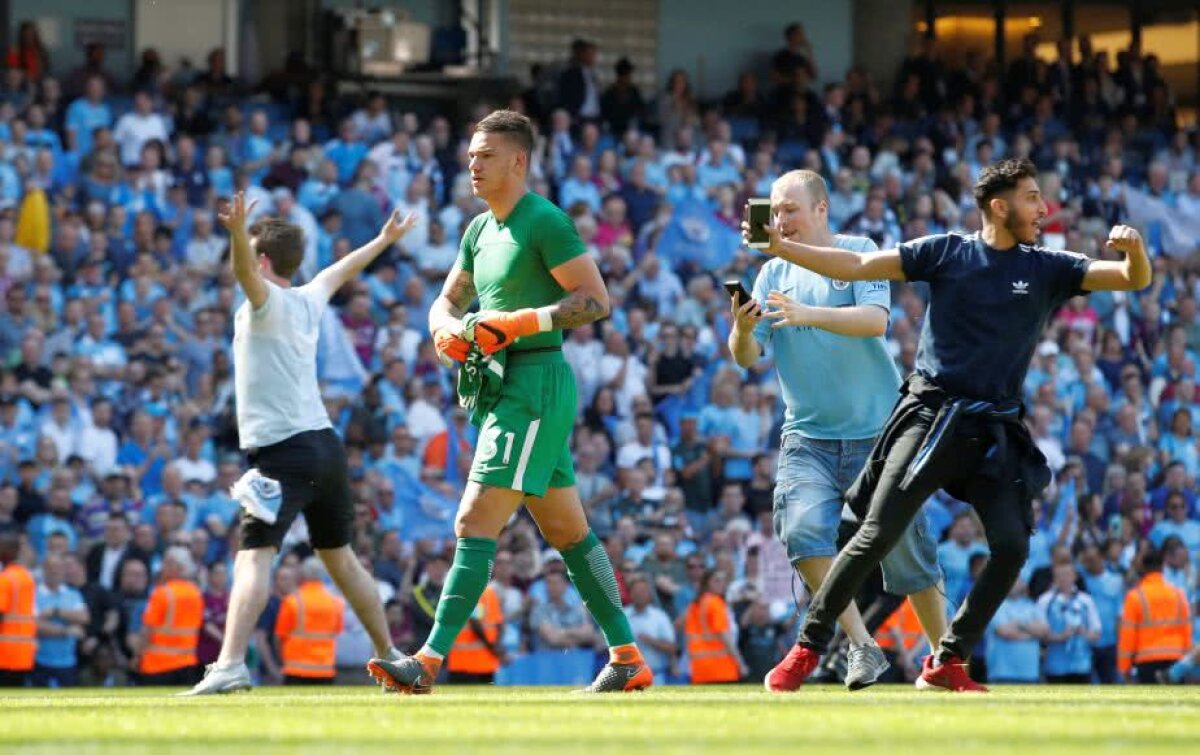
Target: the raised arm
pixel 347 268
pixel 1130 274
pixel 241 255
pixel 839 264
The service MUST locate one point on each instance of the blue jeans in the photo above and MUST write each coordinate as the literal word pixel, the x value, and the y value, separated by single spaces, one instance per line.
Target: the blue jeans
pixel 813 478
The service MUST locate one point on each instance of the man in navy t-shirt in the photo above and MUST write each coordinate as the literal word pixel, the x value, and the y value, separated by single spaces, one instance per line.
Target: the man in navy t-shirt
pixel 958 425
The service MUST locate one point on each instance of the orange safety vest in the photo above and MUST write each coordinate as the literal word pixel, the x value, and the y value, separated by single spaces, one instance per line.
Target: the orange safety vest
pixel 707 620
pixel 174 616
pixel 1155 625
pixel 18 618
pixel 309 623
pixel 903 620
pixel 470 655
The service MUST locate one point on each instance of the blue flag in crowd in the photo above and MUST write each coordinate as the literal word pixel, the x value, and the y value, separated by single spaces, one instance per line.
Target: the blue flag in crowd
pixel 695 234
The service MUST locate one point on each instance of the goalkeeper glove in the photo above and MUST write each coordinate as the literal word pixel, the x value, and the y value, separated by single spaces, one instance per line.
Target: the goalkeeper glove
pixel 497 330
pixel 450 346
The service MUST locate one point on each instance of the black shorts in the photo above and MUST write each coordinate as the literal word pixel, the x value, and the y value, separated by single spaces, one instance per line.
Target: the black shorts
pixel 311 469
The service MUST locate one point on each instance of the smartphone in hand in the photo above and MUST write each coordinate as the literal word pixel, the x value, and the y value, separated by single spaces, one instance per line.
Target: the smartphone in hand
pixel 757 215
pixel 737 292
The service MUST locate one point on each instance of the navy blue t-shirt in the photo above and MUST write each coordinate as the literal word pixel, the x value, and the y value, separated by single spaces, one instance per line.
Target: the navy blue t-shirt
pixel 987 309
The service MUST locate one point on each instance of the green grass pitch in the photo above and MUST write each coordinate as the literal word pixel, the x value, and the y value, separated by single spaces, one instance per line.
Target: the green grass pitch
pixel 531 721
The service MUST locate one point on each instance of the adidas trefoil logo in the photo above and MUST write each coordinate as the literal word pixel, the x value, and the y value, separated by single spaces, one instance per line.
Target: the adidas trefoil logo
pixel 1020 288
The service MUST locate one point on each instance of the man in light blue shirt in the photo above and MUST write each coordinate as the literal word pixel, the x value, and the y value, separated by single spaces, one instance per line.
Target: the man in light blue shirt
pixel 956 553
pixel 346 151
pixel 1177 524
pixel 718 169
pixel 62 621
pixel 1073 623
pixel 88 113
pixel 651 627
pixel 1107 589
pixel 738 424
pixel 579 187
pixel 257 147
pixel 1014 639
pixel 57 519
pixel 838 384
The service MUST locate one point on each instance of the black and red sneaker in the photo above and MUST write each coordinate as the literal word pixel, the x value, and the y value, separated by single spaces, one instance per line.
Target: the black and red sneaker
pixel 791 672
pixel 950 676
pixel 411 675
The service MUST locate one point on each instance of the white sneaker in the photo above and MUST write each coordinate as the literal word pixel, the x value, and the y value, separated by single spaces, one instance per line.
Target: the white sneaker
pixel 866 663
pixel 219 681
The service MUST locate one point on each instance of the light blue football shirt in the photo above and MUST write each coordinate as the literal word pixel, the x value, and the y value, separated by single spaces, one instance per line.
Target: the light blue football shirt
pixel 1062 612
pixel 834 387
pixel 1013 660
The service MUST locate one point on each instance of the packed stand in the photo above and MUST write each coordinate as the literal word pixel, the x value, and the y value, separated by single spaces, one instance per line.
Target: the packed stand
pixel 118 443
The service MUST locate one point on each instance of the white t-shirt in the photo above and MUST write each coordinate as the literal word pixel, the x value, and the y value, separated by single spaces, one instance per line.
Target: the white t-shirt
pixel 632 453
pixel 205 253
pixel 408 341
pixel 425 421
pixel 584 359
pixel 134 130
pixel 275 365
pixel 634 384
pixel 437 259
pixel 98 447
pixel 66 439
pixel 199 469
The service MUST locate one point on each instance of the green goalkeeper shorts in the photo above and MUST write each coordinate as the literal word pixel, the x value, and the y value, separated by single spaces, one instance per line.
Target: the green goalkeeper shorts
pixel 524 441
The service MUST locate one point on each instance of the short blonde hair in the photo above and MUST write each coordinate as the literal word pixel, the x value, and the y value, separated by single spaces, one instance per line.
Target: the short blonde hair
pixel 811 181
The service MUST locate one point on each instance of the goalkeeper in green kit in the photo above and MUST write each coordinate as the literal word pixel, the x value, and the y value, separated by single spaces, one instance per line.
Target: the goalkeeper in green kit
pixel 534 278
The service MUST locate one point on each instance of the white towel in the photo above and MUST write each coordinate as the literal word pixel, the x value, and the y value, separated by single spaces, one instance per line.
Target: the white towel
pixel 260 496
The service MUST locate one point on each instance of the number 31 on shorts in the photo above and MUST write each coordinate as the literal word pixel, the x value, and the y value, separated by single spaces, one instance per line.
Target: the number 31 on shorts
pixel 489 444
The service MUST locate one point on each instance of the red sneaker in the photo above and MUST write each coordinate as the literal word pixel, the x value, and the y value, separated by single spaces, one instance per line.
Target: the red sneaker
pixel 791 672
pixel 951 676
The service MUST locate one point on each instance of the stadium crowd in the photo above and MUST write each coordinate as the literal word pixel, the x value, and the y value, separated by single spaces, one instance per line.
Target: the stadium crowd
pixel 117 439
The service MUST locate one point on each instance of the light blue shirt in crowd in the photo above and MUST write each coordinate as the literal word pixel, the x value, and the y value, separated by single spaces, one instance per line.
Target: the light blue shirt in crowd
pixel 57 652
pixel 1188 531
pixel 654 623
pixel 1063 612
pixel 956 565
pixel 834 387
pixel 1013 660
pixel 84 117
pixel 742 430
pixel 1108 594
pixel 573 190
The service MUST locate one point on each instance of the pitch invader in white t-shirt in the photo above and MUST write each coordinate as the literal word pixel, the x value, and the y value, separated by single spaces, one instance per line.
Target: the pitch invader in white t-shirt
pixel 283 427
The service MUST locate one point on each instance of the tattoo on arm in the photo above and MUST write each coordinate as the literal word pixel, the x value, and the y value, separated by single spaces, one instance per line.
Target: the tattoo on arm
pixel 460 292
pixel 578 308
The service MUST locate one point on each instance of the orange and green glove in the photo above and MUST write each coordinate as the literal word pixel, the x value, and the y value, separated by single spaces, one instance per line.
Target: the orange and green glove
pixel 450 346
pixel 494 331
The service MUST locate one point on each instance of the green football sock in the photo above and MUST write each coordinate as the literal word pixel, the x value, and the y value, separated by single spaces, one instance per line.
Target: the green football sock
pixel 465 584
pixel 591 571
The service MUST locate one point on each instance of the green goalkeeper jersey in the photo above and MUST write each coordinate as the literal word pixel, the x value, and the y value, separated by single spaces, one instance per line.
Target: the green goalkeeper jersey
pixel 511 261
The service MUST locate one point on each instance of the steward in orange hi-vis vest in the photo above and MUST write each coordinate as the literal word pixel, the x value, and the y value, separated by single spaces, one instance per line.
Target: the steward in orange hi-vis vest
pixel 475 656
pixel 309 623
pixel 707 633
pixel 171 625
pixel 18 615
pixel 1156 627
